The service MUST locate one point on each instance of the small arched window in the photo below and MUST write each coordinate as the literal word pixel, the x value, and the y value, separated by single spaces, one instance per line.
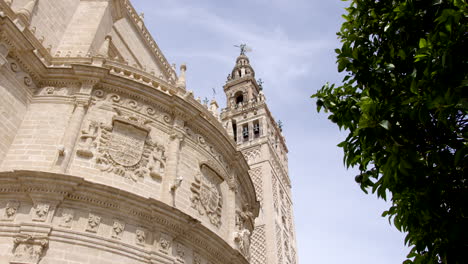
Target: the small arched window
pixel 239 98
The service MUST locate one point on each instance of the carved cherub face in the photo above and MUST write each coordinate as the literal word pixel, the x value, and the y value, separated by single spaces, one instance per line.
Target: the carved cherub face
pixel 10 211
pixel 94 221
pixel 42 210
pixel 118 227
pixel 140 235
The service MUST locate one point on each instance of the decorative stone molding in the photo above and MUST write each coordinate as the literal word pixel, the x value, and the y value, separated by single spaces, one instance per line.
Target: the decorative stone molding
pixel 117 229
pixel 93 223
pixel 11 209
pixel 206 195
pixel 67 218
pixel 40 212
pixel 29 249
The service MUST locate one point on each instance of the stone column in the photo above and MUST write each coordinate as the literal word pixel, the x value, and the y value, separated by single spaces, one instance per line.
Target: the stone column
pixel 173 180
pixel 67 147
pixel 72 132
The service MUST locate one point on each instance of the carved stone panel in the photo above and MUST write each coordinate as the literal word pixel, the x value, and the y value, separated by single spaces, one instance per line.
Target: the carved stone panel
pixel 180 253
pixel 197 259
pixel 93 223
pixel 124 148
pixel 140 237
pixel 164 243
pixel 244 225
pixel 67 218
pixel 40 212
pixel 117 229
pixel 10 210
pixel 206 195
pixel 242 239
pixel 29 249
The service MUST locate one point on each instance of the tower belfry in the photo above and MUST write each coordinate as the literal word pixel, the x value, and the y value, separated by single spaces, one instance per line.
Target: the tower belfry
pixel 259 137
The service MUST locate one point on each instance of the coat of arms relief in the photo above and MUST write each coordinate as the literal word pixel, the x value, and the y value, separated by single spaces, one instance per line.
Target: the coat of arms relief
pixel 206 194
pixel 124 148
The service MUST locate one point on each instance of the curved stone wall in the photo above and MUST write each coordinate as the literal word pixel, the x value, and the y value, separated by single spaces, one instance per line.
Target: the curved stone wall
pixel 103 162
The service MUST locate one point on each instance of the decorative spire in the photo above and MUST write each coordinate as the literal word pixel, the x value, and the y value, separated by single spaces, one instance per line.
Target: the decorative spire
pixel 104 50
pixel 25 12
pixel 181 82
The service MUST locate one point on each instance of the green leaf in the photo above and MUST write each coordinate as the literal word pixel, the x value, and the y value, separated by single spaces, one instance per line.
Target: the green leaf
pixel 422 43
pixel 385 124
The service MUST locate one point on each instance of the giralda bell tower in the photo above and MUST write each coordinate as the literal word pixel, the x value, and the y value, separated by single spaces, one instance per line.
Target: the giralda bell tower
pixel 259 137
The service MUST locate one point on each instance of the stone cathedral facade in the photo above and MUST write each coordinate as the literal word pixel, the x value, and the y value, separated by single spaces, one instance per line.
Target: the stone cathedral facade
pixel 106 157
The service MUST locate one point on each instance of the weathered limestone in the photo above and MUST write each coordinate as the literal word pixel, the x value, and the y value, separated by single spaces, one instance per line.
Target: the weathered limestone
pixel 105 157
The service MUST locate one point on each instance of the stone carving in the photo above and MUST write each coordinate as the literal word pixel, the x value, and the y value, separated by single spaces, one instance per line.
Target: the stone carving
pixel 93 223
pixel 67 218
pixel 140 236
pixel 242 239
pixel 164 243
pixel 14 67
pixel 197 258
pixel 28 249
pixel 88 140
pixel 206 195
pixel 41 211
pixel 11 209
pixel 28 81
pixel 124 148
pixel 117 229
pixel 244 223
pixel 180 253
pixel 50 90
pixel 252 156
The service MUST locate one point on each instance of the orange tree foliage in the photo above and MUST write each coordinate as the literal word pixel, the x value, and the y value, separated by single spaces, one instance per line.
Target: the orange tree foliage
pixel 404 103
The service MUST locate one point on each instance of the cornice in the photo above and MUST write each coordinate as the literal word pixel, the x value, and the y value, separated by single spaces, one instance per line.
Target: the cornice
pixel 92 196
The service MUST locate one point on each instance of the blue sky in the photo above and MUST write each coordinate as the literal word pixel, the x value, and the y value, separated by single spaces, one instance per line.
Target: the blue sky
pixel 293 45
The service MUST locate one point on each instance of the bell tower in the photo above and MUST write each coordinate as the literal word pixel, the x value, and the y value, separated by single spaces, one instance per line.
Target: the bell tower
pixel 259 137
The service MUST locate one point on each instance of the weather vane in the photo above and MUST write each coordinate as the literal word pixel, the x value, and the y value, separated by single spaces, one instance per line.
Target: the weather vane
pixel 243 48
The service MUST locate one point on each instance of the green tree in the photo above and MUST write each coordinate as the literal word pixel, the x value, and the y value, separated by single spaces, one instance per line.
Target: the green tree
pixel 404 103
